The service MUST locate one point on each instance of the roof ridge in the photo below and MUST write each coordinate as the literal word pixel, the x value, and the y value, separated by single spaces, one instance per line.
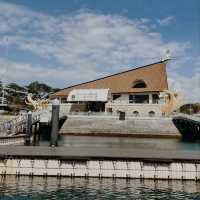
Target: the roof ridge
pixel 113 75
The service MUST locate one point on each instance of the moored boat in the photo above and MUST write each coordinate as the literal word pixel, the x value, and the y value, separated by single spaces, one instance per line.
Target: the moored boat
pixel 188 126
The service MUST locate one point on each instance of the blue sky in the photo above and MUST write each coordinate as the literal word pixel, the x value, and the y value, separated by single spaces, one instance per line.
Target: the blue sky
pixel 65 42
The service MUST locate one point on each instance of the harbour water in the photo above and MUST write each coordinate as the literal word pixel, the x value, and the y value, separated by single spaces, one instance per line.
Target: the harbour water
pixel 126 142
pixel 36 188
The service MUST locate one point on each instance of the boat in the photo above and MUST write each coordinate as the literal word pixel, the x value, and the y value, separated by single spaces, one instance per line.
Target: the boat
pixel 188 126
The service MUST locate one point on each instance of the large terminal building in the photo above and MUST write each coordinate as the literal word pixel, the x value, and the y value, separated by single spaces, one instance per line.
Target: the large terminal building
pixel 136 92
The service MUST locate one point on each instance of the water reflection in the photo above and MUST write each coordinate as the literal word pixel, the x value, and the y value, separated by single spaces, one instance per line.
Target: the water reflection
pixel 127 142
pixel 79 188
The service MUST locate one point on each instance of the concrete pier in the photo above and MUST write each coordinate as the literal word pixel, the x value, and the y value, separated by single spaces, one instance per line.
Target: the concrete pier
pixel 112 126
pixel 99 162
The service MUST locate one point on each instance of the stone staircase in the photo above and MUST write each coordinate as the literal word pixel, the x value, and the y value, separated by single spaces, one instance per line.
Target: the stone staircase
pixel 108 126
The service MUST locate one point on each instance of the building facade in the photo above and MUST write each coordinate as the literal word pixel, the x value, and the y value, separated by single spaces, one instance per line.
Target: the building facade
pixel 135 92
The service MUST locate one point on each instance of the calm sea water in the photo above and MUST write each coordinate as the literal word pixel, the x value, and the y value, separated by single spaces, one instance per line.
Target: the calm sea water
pixel 127 142
pixel 106 189
pixel 37 188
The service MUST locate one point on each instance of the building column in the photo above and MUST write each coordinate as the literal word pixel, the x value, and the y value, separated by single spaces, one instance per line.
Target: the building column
pixel 150 98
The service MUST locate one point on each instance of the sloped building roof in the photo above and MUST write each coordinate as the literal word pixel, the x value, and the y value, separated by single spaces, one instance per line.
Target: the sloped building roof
pixel 154 76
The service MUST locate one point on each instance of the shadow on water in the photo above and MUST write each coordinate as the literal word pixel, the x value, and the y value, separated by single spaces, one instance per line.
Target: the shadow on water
pixel 189 144
pixel 79 188
pixel 45 130
pixel 128 142
pixel 123 142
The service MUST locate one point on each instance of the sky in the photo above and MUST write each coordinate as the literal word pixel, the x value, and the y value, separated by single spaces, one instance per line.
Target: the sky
pixel 68 42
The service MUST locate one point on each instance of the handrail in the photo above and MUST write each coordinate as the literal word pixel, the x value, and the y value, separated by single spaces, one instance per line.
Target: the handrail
pixel 19 123
pixel 192 117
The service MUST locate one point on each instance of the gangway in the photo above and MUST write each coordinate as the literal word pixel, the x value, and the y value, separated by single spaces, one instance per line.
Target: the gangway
pixel 19 123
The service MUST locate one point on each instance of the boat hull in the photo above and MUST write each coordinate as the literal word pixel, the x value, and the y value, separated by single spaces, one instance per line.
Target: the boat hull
pixel 189 127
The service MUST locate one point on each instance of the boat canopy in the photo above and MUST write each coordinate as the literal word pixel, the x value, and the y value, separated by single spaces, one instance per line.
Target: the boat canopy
pixel 100 95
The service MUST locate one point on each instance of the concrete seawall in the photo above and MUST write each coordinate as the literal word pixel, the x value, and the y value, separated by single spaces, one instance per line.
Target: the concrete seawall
pixel 110 125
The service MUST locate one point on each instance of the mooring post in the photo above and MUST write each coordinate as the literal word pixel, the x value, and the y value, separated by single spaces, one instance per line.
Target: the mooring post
pixel 35 134
pixel 55 122
pixel 29 127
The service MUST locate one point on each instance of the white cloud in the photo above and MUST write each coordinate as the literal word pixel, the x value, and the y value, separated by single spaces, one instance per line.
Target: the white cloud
pixel 166 21
pixel 187 87
pixel 197 62
pixel 86 38
pixel 53 76
pixel 84 45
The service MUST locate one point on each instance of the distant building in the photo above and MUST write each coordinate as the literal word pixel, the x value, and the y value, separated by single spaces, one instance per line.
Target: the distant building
pixel 136 92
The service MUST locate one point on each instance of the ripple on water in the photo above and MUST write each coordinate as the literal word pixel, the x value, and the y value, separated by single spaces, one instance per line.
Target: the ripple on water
pixel 51 188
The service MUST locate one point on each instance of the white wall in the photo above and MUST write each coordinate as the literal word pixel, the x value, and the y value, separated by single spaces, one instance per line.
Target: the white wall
pixel 143 109
pixel 122 104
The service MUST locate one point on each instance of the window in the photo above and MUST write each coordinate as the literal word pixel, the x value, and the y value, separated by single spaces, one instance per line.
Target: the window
pixel 73 97
pixel 139 84
pixel 136 113
pixel 63 100
pixel 131 99
pixel 139 98
pixel 151 113
pixel 155 98
pixel 116 96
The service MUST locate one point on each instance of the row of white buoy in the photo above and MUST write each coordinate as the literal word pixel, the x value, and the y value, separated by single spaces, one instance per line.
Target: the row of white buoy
pixel 101 169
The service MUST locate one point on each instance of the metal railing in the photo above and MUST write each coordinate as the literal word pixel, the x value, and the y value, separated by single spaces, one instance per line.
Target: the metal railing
pixel 114 114
pixel 18 124
pixel 195 117
pixel 7 140
pixel 93 113
pixel 127 102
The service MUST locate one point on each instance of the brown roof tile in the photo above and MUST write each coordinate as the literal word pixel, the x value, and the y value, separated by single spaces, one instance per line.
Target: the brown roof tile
pixel 154 75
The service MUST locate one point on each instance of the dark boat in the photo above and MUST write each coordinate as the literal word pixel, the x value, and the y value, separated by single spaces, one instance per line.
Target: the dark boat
pixel 188 126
